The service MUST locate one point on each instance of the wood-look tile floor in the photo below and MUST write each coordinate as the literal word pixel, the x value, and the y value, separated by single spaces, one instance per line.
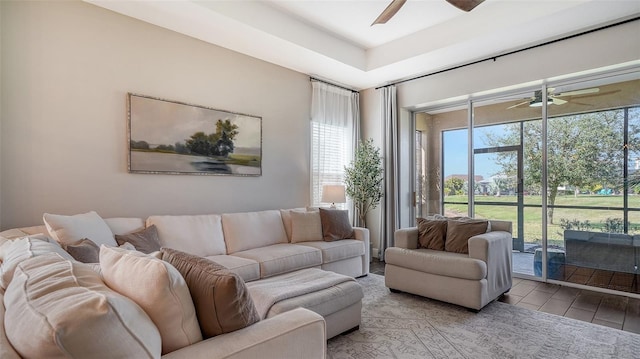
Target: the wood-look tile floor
pixel 614 311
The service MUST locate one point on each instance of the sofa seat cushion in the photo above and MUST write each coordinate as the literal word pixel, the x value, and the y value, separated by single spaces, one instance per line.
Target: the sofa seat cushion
pixel 338 250
pixel 448 264
pixel 247 269
pixel 198 234
pixel 250 230
pixel 56 308
pixel 282 258
pixel 324 302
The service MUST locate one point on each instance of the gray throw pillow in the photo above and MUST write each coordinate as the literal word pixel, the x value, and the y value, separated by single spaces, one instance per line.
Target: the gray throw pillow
pixel 221 298
pixel 145 241
pixel 85 251
pixel 335 224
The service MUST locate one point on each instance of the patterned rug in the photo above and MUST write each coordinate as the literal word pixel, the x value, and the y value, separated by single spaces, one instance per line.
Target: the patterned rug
pixel 400 325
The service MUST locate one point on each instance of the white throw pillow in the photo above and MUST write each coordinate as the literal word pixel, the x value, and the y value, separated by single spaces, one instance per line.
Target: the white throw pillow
pixel 158 288
pixel 71 229
pixel 15 251
pixel 199 235
pixel 57 308
pixel 305 227
pixel 120 226
pixel 286 219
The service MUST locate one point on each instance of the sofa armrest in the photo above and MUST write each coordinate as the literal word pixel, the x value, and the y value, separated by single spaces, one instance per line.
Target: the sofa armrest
pixel 494 248
pixel 406 238
pixel 362 234
pixel 299 333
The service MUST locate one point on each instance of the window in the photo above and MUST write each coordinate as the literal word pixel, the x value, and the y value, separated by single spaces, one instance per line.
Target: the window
pixel 334 126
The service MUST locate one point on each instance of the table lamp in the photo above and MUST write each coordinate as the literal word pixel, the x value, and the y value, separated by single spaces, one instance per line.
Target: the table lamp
pixel 333 194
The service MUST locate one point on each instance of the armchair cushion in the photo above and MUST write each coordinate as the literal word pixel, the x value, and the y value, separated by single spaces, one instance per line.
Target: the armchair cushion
pixel 448 264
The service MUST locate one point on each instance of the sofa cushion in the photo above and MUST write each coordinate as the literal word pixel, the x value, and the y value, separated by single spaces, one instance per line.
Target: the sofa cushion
pixel 456 265
pixel 6 349
pixel 335 224
pixel 15 251
pixel 338 250
pixel 324 302
pixel 286 219
pixel 71 229
pixel 305 227
pixel 431 233
pixel 247 269
pixel 158 288
pixel 221 299
pixel 56 308
pixel 249 230
pixel 125 225
pixel 459 232
pixel 282 258
pixel 200 235
pixel 84 251
pixel 145 240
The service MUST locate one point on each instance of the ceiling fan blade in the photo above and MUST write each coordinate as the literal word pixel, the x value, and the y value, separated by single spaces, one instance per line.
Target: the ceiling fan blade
pixel 579 92
pixel 558 101
pixel 519 104
pixel 388 13
pixel 465 5
pixel 600 94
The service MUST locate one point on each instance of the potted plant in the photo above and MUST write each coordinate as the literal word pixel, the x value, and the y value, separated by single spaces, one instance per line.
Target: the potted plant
pixel 363 179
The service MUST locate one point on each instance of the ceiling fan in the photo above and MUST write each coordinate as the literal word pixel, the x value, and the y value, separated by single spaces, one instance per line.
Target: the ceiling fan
pixel 554 99
pixel 395 5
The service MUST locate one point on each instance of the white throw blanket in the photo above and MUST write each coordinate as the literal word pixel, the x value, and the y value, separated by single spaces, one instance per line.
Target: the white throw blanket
pixel 267 292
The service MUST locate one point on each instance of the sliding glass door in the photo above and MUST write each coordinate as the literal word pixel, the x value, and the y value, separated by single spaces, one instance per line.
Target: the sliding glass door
pixel 561 162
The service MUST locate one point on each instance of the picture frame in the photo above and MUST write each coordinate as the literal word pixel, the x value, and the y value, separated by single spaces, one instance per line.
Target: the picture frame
pixel 172 137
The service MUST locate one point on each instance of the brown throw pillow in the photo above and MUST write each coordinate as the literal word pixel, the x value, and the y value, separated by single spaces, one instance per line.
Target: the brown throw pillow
pixel 84 251
pixel 459 232
pixel 335 224
pixel 431 233
pixel 221 298
pixel 145 241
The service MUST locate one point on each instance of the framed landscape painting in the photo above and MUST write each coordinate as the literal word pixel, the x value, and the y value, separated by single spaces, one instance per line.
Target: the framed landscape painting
pixel 177 138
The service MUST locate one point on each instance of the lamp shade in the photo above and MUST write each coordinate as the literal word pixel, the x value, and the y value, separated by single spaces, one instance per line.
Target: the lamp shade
pixel 332 193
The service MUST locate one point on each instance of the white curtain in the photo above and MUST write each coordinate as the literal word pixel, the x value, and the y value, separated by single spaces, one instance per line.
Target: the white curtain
pixel 390 210
pixel 335 131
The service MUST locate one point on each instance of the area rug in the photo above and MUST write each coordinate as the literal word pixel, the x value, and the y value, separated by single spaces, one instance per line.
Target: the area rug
pixel 401 325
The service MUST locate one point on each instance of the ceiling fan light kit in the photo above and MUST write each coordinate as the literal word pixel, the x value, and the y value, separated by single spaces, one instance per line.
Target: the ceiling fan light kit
pixel 395 5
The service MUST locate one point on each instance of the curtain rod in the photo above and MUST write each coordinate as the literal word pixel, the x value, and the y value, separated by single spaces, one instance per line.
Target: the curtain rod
pixel 494 58
pixel 311 78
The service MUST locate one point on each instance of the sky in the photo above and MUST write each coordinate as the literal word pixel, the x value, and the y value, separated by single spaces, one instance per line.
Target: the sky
pixel 456 148
pixel 164 122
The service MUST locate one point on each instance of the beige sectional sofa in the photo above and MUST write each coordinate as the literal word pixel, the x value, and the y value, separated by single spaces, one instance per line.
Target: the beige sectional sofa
pixel 471 280
pixel 256 246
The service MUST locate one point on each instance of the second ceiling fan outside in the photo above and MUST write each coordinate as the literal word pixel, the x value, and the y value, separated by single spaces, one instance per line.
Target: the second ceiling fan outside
pixel 395 5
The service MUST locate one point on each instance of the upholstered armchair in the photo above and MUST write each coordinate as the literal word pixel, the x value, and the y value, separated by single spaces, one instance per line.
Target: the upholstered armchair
pixel 471 279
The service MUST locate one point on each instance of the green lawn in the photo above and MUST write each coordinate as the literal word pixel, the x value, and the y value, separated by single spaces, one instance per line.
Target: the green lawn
pixel 533 216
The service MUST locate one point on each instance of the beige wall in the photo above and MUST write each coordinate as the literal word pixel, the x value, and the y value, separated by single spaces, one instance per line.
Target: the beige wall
pixel 67 67
pixel 609 47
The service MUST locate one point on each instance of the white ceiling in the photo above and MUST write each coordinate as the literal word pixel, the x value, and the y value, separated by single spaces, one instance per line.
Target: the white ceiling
pixel 333 39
